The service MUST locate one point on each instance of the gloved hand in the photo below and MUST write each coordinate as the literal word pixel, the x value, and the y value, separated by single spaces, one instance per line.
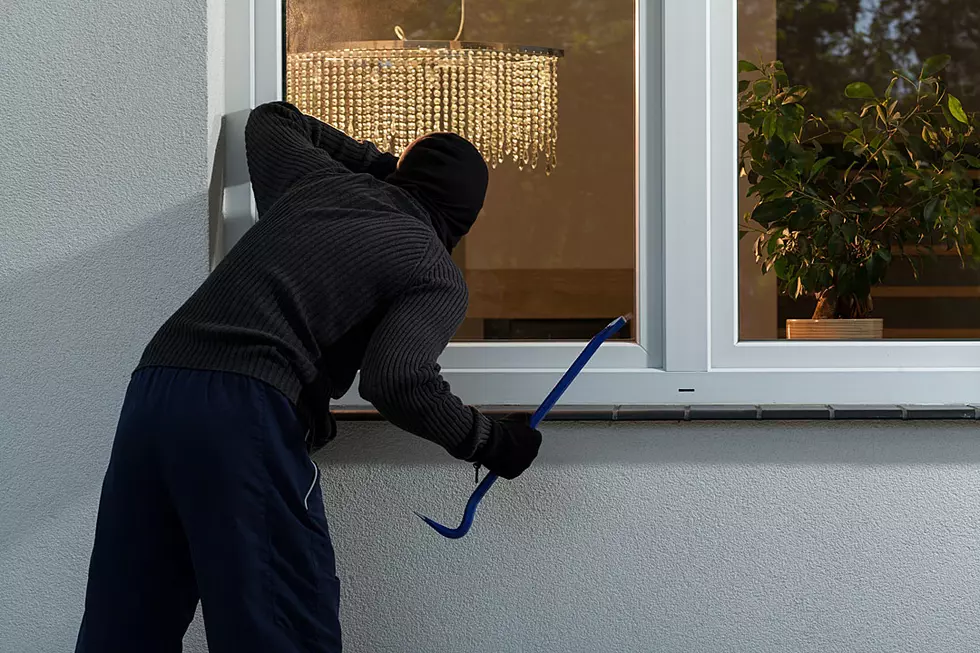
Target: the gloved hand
pixel 512 446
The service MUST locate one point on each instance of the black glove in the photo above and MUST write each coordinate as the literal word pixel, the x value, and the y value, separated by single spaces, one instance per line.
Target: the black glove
pixel 511 448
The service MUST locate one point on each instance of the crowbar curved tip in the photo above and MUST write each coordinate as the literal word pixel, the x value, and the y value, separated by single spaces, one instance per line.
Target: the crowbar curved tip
pixel 566 380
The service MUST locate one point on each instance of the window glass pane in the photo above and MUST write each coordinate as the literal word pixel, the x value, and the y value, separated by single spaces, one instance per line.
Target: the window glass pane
pixel 552 256
pixel 869 201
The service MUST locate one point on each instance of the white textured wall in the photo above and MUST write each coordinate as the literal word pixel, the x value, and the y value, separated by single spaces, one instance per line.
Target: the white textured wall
pixel 638 538
pixel 104 139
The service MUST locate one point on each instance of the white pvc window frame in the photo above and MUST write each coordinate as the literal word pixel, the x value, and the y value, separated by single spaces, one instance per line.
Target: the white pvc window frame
pixel 687 349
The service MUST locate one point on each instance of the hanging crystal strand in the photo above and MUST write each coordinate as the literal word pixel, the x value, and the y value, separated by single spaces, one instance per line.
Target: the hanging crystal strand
pixel 502 108
pixel 429 96
pixel 341 92
pixel 342 101
pixel 437 95
pixel 493 109
pixel 398 102
pixel 536 109
pixel 553 91
pixel 334 98
pixel 524 121
pixel 301 80
pixel 545 82
pixel 384 105
pixel 457 123
pixel 519 125
pixel 520 129
pixel 446 97
pixel 528 109
pixel 382 100
pixel 322 95
pixel 304 97
pixel 474 84
pixel 320 91
pixel 369 106
pixel 420 98
pixel 514 111
pixel 378 104
pixel 374 103
pixel 435 82
pixel 320 88
pixel 490 69
pixel 470 93
pixel 323 90
pixel 351 86
pixel 490 101
pixel 546 109
pixel 484 95
pixel 517 128
pixel 391 84
pixel 361 115
pixel 351 104
pixel 508 103
pixel 358 123
pixel 520 72
pixel 444 93
pixel 404 110
pixel 412 97
pixel 459 93
pixel 387 104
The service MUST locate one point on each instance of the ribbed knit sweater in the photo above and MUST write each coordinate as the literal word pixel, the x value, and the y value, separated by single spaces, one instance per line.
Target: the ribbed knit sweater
pixel 342 272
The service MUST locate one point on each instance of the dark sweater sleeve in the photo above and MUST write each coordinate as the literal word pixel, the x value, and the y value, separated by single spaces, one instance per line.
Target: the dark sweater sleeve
pixel 282 145
pixel 400 374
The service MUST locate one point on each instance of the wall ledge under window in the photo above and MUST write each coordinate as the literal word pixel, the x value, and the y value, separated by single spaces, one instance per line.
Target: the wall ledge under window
pixel 681 413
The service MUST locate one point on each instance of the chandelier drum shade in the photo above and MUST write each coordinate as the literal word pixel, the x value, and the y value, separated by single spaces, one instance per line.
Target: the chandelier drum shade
pixel 502 98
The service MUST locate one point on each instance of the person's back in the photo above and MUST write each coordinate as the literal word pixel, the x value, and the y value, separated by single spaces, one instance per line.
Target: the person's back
pixel 295 285
pixel 210 492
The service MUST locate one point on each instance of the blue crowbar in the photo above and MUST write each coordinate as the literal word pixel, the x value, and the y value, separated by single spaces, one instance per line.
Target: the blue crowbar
pixel 539 414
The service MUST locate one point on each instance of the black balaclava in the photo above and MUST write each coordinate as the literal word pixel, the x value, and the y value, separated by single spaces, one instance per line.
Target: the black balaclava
pixel 448 176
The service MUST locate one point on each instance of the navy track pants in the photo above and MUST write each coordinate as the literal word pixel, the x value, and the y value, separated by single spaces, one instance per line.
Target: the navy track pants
pixel 210 495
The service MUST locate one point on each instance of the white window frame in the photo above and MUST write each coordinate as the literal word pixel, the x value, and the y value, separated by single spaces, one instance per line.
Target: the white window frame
pixel 687 349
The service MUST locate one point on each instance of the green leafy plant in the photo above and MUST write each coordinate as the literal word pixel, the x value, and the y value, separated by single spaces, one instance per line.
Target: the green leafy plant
pixel 839 196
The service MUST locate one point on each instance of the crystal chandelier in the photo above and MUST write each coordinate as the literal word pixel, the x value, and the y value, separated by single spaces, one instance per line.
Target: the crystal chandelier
pixel 502 98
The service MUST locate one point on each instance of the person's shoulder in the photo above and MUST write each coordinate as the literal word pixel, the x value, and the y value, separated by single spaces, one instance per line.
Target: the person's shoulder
pixel 416 256
pixel 415 245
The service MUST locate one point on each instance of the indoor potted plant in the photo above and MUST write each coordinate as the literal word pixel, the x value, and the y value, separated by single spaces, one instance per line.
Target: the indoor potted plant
pixel 839 197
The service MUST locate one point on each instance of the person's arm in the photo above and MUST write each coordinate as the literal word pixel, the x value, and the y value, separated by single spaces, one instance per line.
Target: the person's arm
pixel 400 376
pixel 357 156
pixel 282 145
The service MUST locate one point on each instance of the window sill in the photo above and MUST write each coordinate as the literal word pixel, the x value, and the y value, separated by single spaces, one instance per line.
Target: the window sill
pixel 681 413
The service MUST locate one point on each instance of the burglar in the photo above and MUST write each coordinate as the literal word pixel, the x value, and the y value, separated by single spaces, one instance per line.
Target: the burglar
pixel 210 493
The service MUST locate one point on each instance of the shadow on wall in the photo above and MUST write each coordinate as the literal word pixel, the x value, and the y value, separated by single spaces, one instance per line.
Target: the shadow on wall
pixel 71 335
pixel 651 444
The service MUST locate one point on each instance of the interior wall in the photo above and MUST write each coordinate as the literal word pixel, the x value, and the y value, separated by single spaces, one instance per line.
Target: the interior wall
pixel 757 294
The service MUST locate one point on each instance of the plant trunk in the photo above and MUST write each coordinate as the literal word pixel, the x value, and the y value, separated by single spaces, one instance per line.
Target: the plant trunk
pixel 831 306
pixel 826 305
